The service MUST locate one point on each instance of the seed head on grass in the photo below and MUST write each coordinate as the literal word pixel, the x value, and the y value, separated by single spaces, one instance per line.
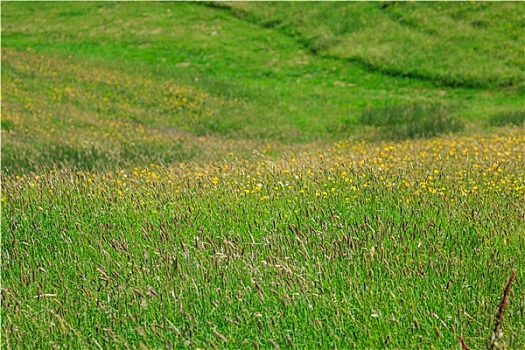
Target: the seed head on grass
pixel 498 330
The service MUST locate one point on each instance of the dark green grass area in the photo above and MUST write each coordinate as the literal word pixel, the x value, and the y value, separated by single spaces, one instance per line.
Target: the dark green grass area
pixel 509 118
pixel 412 121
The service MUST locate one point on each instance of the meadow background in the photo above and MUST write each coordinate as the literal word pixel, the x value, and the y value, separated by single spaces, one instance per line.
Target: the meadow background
pixel 262 175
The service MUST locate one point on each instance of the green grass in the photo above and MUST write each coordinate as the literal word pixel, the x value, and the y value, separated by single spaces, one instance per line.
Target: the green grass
pixel 509 118
pixel 310 250
pixel 412 121
pixel 289 94
pixel 249 175
pixel 453 44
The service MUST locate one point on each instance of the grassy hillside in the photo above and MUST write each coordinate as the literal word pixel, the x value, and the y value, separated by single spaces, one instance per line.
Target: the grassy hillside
pixel 249 175
pixel 453 44
pixel 285 92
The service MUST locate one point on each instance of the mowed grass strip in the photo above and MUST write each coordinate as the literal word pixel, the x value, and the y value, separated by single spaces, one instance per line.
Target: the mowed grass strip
pixel 357 245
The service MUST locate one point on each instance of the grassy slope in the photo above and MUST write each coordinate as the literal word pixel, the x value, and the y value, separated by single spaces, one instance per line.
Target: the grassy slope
pixel 289 93
pixel 455 44
pixel 298 243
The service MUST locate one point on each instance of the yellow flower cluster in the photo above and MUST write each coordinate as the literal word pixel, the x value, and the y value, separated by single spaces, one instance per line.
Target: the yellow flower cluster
pixel 480 165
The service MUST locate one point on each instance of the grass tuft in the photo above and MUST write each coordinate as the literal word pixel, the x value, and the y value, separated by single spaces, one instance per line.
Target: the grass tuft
pixel 508 118
pixel 411 121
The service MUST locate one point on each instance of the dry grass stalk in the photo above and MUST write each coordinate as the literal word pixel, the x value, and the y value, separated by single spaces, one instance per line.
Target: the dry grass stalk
pixel 464 345
pixel 498 331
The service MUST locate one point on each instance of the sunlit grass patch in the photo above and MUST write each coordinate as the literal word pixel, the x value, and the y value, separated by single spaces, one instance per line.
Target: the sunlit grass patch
pixel 454 44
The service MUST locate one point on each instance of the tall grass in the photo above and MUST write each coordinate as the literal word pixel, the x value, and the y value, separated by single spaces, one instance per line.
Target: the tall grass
pixel 352 246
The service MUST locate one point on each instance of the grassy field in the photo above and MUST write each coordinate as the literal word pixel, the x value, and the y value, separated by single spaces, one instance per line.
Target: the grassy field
pixel 251 175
